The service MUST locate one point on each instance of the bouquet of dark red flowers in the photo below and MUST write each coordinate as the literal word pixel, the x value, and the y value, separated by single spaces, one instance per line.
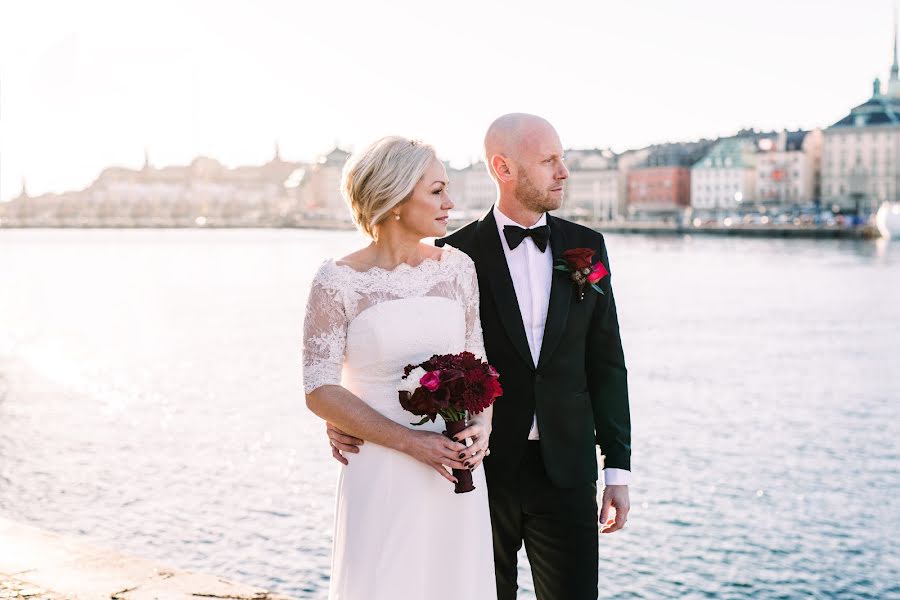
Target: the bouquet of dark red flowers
pixel 453 386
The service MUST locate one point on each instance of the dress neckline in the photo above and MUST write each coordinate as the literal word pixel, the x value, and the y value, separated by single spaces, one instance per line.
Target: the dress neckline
pixel 404 266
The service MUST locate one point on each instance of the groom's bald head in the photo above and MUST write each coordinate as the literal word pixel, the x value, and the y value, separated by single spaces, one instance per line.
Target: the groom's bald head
pixel 513 134
pixel 525 158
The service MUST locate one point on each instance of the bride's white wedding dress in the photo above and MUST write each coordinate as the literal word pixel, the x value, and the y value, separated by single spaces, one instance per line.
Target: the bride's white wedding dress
pixel 400 533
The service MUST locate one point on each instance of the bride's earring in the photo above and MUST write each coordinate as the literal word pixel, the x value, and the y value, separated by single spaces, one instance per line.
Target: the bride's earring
pixel 397 217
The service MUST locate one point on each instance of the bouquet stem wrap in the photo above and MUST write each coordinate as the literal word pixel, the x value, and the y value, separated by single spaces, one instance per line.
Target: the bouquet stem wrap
pixel 463 476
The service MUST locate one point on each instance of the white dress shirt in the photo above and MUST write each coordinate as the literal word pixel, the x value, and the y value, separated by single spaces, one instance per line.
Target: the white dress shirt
pixel 531 271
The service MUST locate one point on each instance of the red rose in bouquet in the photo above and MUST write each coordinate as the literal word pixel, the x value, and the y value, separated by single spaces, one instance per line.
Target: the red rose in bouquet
pixel 453 386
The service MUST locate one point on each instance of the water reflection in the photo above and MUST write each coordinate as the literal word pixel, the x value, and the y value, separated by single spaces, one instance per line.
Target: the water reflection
pixel 150 398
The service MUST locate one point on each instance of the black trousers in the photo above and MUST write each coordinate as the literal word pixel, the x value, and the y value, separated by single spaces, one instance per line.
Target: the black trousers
pixel 559 526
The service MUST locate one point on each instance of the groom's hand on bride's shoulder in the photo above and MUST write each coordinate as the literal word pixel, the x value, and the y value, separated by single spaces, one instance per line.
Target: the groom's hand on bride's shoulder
pixel 615 497
pixel 342 442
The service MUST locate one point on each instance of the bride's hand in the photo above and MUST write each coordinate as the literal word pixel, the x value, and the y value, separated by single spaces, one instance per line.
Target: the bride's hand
pixel 479 431
pixel 342 442
pixel 436 450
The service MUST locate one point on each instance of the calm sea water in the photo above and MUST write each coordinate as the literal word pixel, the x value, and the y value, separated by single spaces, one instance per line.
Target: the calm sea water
pixel 150 400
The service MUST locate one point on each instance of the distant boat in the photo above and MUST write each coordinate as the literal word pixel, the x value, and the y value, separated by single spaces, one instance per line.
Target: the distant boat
pixel 887 219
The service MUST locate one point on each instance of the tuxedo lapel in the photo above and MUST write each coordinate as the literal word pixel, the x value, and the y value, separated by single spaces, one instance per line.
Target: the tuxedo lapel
pixel 560 294
pixel 490 252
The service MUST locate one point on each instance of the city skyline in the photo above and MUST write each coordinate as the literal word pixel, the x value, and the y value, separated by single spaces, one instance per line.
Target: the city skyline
pixel 86 96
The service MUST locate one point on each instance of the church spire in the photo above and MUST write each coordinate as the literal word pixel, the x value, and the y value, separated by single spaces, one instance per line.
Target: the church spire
pixel 146 159
pixel 277 157
pixel 895 68
pixel 24 193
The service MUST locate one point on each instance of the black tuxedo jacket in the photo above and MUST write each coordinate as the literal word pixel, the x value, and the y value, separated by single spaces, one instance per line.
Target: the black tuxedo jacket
pixel 578 389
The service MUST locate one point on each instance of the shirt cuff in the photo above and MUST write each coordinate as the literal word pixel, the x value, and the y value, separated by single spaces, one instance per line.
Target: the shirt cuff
pixel 613 476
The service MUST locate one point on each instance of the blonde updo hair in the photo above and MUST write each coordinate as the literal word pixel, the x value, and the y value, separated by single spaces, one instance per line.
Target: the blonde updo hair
pixel 382 176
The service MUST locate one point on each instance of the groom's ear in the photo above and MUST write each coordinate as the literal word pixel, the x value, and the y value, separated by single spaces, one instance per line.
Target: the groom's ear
pixel 500 165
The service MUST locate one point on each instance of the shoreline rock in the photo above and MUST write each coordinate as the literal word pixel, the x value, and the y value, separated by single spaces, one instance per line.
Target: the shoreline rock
pixel 40 565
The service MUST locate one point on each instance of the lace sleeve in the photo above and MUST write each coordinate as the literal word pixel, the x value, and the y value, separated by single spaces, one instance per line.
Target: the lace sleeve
pixel 474 337
pixel 324 334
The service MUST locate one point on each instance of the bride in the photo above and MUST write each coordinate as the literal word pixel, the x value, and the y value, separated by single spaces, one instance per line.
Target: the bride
pixel 400 531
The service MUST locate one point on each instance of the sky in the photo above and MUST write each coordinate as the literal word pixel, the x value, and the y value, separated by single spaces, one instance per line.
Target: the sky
pixel 90 84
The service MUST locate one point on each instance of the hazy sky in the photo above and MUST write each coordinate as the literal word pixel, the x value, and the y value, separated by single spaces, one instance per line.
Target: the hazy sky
pixel 88 84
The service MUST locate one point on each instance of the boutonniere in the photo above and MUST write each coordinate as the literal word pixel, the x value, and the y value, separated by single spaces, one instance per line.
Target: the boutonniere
pixel 577 263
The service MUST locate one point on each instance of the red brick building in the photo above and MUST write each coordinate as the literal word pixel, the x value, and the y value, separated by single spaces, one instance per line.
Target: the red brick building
pixel 661 184
pixel 663 189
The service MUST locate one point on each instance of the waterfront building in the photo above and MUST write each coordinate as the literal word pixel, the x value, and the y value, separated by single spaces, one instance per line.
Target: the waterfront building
pixel 472 190
pixel 318 187
pixel 205 191
pixel 592 191
pixel 659 186
pixel 861 155
pixel 788 168
pixel 726 175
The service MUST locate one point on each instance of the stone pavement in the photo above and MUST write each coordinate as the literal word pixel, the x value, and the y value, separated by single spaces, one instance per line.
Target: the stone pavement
pixel 11 588
pixel 40 565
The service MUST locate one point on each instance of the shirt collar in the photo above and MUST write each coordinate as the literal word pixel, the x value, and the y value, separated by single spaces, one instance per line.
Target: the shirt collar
pixel 503 220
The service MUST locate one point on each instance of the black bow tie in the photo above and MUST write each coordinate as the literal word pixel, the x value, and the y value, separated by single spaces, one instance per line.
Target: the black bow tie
pixel 514 236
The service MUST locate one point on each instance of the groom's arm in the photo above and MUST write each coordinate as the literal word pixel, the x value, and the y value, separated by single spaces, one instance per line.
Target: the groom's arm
pixel 608 384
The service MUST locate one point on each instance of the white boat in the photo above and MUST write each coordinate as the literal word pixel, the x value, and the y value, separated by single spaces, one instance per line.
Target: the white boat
pixel 887 219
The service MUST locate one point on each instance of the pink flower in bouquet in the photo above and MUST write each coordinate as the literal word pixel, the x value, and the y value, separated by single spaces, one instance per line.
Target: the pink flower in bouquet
pixel 431 380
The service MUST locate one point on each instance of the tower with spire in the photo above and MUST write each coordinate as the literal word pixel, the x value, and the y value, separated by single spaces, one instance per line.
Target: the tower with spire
pixel 23 195
pixel 894 83
pixel 860 167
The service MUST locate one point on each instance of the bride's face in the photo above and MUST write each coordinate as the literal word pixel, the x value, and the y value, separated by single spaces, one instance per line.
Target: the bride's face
pixel 426 211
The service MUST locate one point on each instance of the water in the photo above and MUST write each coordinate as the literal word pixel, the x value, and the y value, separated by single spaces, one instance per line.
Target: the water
pixel 150 399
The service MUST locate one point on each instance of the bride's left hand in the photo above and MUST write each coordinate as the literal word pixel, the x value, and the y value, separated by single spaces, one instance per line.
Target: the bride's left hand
pixel 479 432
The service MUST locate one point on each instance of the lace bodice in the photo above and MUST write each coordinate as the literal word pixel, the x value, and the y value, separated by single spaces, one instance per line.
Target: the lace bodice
pixel 390 317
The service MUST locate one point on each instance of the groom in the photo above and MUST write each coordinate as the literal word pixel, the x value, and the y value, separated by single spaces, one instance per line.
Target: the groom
pixel 561 365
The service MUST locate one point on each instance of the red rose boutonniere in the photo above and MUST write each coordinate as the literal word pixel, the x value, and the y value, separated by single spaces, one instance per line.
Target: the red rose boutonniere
pixel 577 262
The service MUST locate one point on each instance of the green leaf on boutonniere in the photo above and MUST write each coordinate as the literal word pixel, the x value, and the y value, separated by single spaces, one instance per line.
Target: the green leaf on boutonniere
pixel 597 287
pixel 561 268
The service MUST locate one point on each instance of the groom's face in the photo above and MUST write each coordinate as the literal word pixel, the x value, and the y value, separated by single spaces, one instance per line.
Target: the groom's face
pixel 540 171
